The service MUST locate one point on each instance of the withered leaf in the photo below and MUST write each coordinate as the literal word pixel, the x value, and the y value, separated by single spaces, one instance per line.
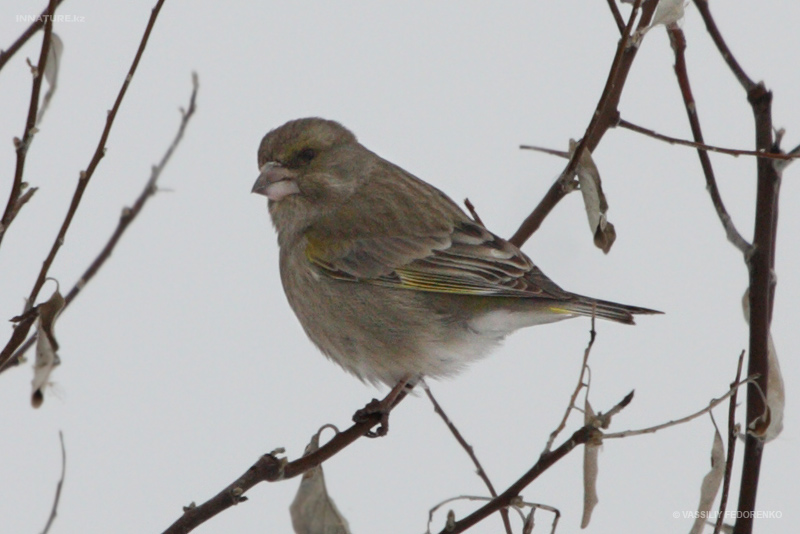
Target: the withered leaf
pixel 313 511
pixel 603 232
pixel 46 346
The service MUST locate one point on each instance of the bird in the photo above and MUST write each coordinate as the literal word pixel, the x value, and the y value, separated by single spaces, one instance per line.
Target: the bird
pixel 388 276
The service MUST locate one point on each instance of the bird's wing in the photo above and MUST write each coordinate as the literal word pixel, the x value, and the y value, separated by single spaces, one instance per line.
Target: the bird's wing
pixel 466 259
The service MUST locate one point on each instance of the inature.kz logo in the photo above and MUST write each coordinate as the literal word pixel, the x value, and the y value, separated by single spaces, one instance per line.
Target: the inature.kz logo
pixel 55 18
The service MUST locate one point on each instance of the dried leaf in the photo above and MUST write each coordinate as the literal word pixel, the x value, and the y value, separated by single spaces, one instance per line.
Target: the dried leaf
pixel 591 451
pixel 769 425
pixel 313 511
pixel 46 346
pixel 711 483
pixel 668 12
pixel 594 200
pixel 51 73
pixel 604 237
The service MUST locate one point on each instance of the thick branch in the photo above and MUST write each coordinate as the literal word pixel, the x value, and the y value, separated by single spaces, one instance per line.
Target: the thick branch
pixel 761 263
pixel 761 267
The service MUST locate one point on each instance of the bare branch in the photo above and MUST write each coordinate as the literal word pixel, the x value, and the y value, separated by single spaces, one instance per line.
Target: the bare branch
pixel 678 42
pixel 760 257
pixel 652 429
pixel 716 36
pixel 126 218
pixel 54 509
pixel 553 152
pixel 733 433
pixel 22 144
pixel 702 146
pixel 604 117
pixel 760 262
pixel 21 330
pixel 612 5
pixel 507 498
pixel 761 266
pixel 269 468
pixel 581 384
pixel 794 153
pixel 517 506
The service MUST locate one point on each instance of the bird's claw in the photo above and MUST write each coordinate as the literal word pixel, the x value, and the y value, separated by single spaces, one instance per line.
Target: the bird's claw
pixel 367 412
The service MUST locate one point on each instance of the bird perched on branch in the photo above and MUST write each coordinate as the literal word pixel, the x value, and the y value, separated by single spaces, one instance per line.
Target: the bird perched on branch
pixel 387 275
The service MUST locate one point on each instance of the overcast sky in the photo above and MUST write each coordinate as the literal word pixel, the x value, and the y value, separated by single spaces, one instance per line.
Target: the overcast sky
pixel 182 361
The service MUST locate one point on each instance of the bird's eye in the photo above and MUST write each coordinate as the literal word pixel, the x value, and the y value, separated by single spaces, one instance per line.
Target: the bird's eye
pixel 306 155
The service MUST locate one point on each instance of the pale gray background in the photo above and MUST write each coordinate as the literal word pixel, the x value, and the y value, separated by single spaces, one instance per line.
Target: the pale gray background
pixel 182 361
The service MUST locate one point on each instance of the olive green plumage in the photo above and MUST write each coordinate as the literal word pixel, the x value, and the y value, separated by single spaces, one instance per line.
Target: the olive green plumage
pixel 387 275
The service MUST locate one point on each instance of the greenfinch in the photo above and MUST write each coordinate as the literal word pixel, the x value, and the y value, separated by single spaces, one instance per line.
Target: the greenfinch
pixel 386 274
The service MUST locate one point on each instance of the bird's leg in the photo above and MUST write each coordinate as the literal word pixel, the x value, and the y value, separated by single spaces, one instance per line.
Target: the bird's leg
pixel 384 406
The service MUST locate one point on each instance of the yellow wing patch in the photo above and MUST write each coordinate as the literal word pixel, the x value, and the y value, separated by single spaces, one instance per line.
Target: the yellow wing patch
pixel 439 284
pixel 560 310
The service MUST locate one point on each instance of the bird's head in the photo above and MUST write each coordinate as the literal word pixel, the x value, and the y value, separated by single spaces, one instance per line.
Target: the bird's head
pixel 308 168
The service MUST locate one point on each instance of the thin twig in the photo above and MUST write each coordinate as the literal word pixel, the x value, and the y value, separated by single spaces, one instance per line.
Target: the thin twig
pixel 473 212
pixel 552 151
pixel 125 219
pixel 22 328
pixel 269 468
pixel 573 398
pixel 470 452
pixel 678 42
pixel 37 25
pixel 22 144
pixel 716 36
pixel 702 146
pixel 652 429
pixel 794 153
pixel 536 506
pixel 733 432
pixel 54 509
pixel 612 5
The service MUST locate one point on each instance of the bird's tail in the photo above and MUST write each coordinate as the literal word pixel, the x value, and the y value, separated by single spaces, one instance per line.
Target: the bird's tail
pixel 613 311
